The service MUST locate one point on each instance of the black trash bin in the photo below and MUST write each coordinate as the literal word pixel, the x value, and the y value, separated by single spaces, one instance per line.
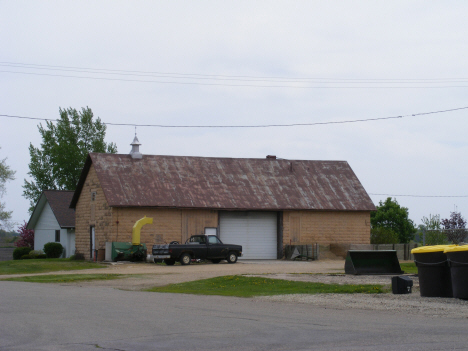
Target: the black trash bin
pixel 402 285
pixel 433 271
pixel 457 258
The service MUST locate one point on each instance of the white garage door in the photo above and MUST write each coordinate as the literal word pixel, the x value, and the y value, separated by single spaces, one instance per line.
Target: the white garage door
pixel 255 231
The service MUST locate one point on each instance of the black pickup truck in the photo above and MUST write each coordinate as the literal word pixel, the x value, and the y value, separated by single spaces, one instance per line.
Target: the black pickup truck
pixel 203 247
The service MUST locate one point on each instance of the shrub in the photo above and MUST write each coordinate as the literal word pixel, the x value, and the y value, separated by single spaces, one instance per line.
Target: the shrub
pixel 53 250
pixel 36 253
pixel 26 237
pixel 26 257
pixel 381 235
pixel 20 252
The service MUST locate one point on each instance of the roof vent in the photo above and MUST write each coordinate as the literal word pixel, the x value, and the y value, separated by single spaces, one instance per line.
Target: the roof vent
pixel 135 153
pixel 271 157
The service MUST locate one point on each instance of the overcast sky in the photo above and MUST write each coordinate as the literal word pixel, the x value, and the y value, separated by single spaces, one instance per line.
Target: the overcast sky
pixel 251 63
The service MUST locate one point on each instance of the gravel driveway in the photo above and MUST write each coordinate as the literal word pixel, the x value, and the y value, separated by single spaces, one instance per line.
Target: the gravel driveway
pixel 150 274
pixel 408 303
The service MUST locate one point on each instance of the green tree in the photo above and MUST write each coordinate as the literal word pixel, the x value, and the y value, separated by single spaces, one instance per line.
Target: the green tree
pixel 431 223
pixel 6 174
pixel 392 216
pixel 382 235
pixel 57 164
pixel 432 228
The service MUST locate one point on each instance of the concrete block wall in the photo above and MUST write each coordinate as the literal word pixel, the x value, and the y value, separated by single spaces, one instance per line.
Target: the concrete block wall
pixel 168 224
pixel 92 210
pixel 326 227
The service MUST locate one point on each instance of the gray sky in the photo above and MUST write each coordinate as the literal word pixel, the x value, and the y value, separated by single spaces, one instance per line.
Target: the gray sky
pixel 245 63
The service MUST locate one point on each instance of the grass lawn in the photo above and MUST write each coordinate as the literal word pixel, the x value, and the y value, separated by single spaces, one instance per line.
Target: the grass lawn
pixel 409 268
pixel 44 265
pixel 64 278
pixel 236 285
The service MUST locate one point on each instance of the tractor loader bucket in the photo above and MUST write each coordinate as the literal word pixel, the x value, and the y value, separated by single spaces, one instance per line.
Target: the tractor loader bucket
pixel 372 262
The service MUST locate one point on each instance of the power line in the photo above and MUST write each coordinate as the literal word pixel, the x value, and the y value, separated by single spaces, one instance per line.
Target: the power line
pixel 251 126
pixel 437 196
pixel 224 80
pixel 218 76
pixel 235 85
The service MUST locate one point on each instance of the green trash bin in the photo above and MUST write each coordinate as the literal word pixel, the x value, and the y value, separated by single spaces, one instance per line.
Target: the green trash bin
pixel 433 271
pixel 457 258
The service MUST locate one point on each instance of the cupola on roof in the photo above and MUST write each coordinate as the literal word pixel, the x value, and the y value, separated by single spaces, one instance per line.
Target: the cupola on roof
pixel 135 152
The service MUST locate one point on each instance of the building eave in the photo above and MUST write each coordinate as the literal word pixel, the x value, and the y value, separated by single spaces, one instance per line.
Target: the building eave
pixel 37 211
pixel 81 181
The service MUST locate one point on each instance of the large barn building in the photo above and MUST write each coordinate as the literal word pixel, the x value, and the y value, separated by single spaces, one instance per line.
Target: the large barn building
pixel 261 204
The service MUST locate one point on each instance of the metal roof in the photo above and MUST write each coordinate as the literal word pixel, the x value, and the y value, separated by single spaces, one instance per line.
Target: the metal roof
pixel 226 183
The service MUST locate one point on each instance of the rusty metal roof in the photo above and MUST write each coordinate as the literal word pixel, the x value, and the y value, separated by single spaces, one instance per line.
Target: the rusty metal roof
pixel 226 183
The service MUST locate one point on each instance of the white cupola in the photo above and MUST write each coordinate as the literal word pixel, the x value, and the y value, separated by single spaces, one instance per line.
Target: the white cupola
pixel 135 153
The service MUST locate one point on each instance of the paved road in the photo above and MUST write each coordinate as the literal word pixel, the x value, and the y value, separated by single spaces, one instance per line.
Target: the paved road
pixel 72 318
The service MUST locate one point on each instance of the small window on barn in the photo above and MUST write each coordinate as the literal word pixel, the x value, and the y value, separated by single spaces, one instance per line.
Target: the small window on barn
pixel 211 231
pixel 57 236
pixel 93 196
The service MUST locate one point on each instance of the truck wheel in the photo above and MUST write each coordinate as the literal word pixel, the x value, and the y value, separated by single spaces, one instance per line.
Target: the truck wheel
pixel 232 257
pixel 215 261
pixel 169 262
pixel 185 259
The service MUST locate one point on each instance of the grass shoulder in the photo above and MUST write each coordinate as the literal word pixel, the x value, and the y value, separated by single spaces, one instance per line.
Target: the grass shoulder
pixel 45 265
pixel 241 286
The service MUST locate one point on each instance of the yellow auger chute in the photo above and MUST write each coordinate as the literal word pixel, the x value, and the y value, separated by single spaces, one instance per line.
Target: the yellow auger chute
pixel 137 227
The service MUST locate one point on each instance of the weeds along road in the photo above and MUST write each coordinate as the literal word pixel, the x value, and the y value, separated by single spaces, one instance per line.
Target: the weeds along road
pixel 57 317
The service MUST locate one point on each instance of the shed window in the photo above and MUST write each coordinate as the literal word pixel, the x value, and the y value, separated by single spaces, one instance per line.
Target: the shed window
pixel 57 236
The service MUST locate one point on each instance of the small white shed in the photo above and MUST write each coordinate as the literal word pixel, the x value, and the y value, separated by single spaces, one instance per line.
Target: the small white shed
pixel 54 221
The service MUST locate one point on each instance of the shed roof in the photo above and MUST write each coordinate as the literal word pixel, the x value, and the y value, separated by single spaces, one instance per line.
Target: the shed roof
pixel 59 201
pixel 226 183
